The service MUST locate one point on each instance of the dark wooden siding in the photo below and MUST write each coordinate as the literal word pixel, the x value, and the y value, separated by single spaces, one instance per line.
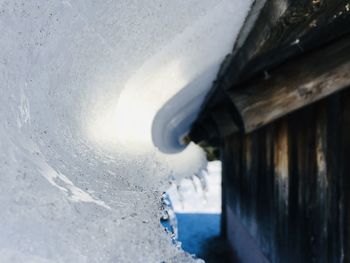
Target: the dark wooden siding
pixel 289 183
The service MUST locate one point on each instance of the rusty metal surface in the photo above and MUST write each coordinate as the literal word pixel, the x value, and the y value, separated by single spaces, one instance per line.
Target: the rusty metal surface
pixel 289 183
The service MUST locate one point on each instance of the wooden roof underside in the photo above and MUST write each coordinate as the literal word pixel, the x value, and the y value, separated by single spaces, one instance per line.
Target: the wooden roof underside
pixel 277 34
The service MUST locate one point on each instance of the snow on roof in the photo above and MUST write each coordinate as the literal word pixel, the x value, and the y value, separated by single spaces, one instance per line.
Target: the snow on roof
pixel 76 77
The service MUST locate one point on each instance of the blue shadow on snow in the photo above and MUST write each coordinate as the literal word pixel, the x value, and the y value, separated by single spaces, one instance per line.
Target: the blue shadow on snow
pixel 194 230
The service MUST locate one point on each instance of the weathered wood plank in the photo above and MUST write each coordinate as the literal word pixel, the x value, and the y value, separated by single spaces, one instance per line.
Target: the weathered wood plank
pixel 275 32
pixel 293 85
pixel 288 183
pixel 283 30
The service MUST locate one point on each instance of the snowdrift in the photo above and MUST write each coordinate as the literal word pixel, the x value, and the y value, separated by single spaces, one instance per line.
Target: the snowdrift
pixel 81 84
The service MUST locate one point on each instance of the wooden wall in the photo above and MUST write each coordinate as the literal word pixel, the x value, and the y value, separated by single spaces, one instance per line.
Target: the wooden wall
pixel 288 184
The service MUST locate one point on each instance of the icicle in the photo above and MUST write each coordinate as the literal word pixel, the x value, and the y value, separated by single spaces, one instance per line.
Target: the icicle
pixel 192 178
pixel 181 197
pixel 202 176
pixel 204 180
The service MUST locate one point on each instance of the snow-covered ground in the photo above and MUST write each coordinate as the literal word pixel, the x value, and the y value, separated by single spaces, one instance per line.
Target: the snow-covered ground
pixel 191 198
pixel 198 209
pixel 81 83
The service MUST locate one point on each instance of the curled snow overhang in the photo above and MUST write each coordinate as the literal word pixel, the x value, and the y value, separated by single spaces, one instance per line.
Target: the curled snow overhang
pixel 80 84
pixel 277 66
pixel 183 70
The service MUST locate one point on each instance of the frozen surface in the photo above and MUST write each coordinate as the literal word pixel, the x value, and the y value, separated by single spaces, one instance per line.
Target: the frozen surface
pixel 81 81
pixel 195 199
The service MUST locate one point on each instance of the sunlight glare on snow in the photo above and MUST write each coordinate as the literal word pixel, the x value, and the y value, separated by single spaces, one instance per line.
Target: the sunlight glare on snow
pixel 143 95
pixel 79 77
pixel 103 127
pixel 190 61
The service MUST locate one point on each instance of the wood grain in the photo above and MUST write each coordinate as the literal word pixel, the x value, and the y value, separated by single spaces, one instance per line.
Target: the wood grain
pixel 293 85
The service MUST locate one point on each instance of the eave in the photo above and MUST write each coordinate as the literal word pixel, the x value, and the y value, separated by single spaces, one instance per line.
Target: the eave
pixel 277 37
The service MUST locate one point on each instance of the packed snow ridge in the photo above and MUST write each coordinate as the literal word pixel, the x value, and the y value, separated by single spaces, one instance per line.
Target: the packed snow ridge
pixel 81 84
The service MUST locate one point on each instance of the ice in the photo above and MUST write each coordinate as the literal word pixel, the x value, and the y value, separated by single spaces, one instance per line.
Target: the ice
pixel 81 84
pixel 189 199
pixel 168 217
pixel 198 218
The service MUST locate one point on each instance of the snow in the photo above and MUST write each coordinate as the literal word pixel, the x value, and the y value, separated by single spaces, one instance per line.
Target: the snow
pixel 195 231
pixel 197 210
pixel 197 200
pixel 81 84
